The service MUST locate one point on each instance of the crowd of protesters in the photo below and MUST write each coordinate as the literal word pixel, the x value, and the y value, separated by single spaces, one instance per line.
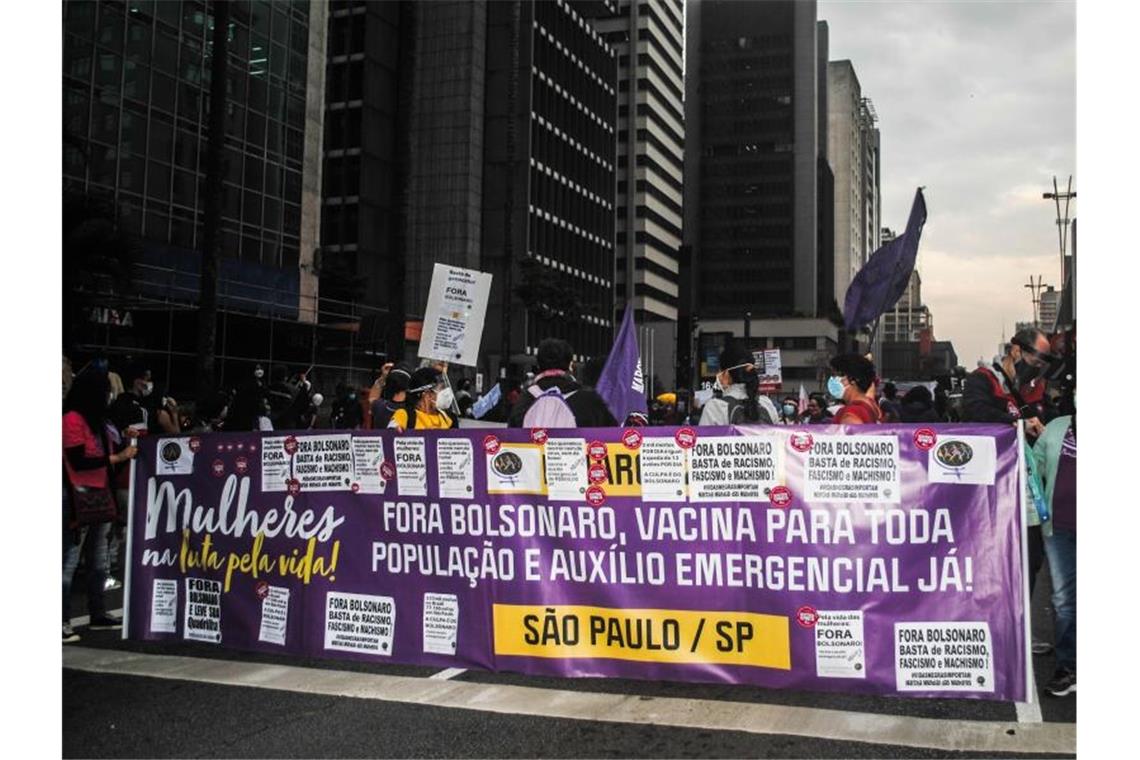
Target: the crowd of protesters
pixel 1033 385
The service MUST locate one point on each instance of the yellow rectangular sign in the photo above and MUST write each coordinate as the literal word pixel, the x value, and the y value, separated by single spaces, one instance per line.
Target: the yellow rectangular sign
pixel 646 635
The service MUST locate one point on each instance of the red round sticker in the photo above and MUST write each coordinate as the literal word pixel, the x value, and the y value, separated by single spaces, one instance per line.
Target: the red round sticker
pixel 218 468
pixel 631 438
pixel 291 445
pixel 241 464
pixel 195 444
pixel 539 435
pixel 595 496
pixel 491 444
pixel 355 487
pixel 597 473
pixel 387 470
pixel 925 438
pixel 780 496
pixel 596 450
pixel 261 588
pixel 807 617
pixel 686 437
pixel 293 486
pixel 801 442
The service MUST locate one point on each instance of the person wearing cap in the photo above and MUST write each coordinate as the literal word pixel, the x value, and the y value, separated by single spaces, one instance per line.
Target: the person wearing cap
pixel 853 383
pixel 739 402
pixel 391 390
pixel 420 410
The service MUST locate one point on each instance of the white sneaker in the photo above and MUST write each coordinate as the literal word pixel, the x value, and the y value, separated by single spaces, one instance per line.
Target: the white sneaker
pixel 111 584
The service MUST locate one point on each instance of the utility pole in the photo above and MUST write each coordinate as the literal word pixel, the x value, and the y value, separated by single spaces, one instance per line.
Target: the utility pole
pixel 1062 218
pixel 1035 294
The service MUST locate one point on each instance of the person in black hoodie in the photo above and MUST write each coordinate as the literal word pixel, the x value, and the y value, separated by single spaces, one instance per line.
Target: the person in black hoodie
pixel 553 370
pixel 918 406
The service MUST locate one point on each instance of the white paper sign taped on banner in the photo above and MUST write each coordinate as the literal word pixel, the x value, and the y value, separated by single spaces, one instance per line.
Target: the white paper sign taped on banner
pixel 965 459
pixel 454 316
pixel 164 606
pixel 173 456
pixel 359 623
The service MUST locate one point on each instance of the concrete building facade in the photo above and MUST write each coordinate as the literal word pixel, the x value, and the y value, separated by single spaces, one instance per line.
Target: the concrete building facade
pixel 757 180
pixel 649 40
pixel 853 151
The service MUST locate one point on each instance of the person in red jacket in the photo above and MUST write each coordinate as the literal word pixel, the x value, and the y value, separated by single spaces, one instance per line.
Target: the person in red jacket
pixel 853 382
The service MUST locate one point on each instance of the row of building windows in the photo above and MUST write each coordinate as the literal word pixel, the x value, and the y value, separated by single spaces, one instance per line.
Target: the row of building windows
pixel 576 35
pixel 564 111
pixel 571 163
pixel 547 237
pixel 548 192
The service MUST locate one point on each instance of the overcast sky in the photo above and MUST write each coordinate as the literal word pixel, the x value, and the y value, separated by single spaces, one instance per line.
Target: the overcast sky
pixel 976 102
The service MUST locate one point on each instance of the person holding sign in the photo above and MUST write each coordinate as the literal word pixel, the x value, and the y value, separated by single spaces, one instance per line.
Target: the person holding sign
pixel 740 402
pixel 420 410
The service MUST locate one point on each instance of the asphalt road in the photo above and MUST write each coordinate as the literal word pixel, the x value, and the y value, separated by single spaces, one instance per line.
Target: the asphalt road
pixel 108 714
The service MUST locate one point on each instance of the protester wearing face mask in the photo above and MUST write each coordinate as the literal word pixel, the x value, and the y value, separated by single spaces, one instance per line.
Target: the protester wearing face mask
pixel 128 413
pixel 790 410
pixel 853 383
pixel 347 413
pixel 739 402
pixel 421 403
pixel 1011 389
pixel 1011 392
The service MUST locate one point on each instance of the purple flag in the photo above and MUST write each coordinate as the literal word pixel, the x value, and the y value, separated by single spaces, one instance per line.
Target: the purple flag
pixel 883 279
pixel 621 384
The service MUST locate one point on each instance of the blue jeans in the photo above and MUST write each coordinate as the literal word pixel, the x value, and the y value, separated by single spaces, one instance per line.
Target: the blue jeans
pixel 1061 548
pixel 92 541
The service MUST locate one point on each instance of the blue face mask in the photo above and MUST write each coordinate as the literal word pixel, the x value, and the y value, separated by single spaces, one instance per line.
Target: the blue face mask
pixel 835 387
pixel 789 410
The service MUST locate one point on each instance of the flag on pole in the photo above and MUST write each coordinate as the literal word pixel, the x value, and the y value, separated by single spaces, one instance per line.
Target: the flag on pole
pixel 803 402
pixel 883 279
pixel 621 385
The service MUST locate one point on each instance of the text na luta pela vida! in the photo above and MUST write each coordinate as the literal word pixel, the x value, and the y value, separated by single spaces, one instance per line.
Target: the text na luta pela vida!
pixel 183 516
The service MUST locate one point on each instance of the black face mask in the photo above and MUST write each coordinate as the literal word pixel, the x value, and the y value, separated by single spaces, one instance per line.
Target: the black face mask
pixel 1025 371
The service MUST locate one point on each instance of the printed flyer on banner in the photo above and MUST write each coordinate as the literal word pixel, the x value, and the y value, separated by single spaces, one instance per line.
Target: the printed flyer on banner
pixel 720 554
pixel 849 468
pixel 307 462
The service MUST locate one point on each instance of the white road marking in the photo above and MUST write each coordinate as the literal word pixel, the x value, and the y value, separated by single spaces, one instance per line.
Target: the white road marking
pixel 447 675
pixel 1028 712
pixel 703 714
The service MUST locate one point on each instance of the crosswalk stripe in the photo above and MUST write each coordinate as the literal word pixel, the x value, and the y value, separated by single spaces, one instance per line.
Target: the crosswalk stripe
pixel 703 714
pixel 447 675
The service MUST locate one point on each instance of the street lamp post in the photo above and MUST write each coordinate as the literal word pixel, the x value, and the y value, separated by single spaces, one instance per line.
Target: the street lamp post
pixel 1062 219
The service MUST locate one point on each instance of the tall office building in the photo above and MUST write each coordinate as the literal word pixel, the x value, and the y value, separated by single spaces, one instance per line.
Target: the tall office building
pixel 752 112
pixel 548 178
pixel 649 40
pixel 1048 307
pixel 754 168
pixel 478 134
pixel 853 151
pixel 136 86
pixel 403 157
pixel 906 320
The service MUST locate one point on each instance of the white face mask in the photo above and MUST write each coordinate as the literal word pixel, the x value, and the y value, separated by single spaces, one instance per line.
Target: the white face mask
pixel 148 388
pixel 318 399
pixel 444 399
pixel 259 373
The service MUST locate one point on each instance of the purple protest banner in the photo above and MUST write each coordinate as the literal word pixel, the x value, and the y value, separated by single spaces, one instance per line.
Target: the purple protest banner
pixel 878 559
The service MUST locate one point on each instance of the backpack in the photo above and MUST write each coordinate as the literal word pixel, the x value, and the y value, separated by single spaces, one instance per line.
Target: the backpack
pixel 736 413
pixel 549 409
